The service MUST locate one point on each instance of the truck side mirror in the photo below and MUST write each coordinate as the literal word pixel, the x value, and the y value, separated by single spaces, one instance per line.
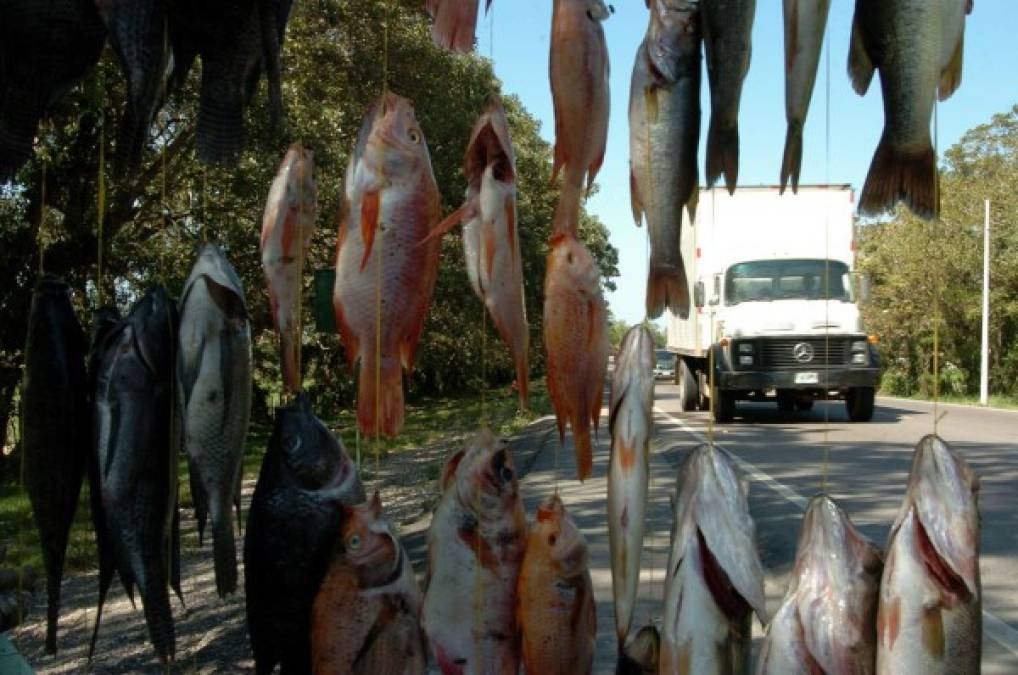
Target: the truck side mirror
pixel 699 295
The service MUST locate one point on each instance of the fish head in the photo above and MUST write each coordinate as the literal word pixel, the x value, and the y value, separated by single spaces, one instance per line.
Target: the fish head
pixel 491 146
pixel 673 38
pixel 571 265
pixel 313 456
pixel 391 143
pixel 944 492
pixel 153 327
pixel 829 536
pixel 559 539
pixel 486 479
pixel 298 168
pixel 368 542
pixel 637 350
pixel 221 282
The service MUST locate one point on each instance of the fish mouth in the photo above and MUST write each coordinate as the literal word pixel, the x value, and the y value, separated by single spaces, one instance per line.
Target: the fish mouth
pixel 500 470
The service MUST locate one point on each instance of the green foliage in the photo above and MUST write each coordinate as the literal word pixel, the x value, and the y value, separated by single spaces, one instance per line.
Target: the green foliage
pixel 334 65
pixel 928 275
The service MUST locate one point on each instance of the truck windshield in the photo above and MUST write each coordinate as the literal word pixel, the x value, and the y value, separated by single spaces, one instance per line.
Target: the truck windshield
pixel 766 280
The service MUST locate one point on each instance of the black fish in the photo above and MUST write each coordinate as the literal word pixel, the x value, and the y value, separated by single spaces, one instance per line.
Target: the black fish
pixel 46 47
pixel 137 446
pixel 55 428
pixel 138 33
pixel 293 523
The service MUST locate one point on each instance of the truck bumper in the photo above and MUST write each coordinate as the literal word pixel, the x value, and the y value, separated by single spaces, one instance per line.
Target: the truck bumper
pixel 838 378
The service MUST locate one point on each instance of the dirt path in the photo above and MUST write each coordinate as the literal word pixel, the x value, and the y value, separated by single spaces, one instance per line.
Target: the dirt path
pixel 211 633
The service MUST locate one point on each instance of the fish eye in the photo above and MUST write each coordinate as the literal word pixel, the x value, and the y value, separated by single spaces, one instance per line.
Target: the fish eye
pixel 415 136
pixel 354 542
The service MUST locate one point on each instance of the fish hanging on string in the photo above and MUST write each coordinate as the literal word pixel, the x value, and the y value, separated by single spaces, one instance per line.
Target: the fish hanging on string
pixel 454 23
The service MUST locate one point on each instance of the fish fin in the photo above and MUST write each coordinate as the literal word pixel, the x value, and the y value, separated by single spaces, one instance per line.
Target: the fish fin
pixel 584 457
pixel 449 222
pixel 860 65
pixel 906 175
pixel 667 287
pixel 386 395
pixel 224 550
pixel 593 170
pixel 635 200
pixel 791 162
pixel 449 470
pixel 370 209
pixel 950 78
pixel 723 154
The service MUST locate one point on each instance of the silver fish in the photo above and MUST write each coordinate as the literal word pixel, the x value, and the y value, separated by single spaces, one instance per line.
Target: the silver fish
pixel 930 616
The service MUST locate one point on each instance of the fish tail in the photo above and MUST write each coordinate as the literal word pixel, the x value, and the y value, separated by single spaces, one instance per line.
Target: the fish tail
pixel 909 175
pixel 584 456
pixel 791 163
pixel 454 25
pixel 220 136
pixel 52 610
pixel 723 154
pixel 198 500
pixel 667 287
pixel 567 211
pixel 384 397
pixel 224 551
pixel 159 618
pixel 289 347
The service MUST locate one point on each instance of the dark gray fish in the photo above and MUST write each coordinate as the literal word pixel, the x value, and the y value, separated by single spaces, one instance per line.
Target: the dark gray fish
pixel 136 426
pixel 138 33
pixel 727 32
pixel 214 372
pixel 55 428
pixel 46 47
pixel 295 518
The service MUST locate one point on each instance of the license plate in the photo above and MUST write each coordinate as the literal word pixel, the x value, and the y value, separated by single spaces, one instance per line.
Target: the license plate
pixel 807 378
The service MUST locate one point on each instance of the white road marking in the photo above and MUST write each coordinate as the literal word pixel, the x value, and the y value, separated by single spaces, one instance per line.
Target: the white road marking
pixel 942 404
pixel 995 628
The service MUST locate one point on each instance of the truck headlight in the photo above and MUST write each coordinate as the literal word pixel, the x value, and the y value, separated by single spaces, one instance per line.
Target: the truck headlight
pixel 745 348
pixel 859 359
pixel 858 346
pixel 745 360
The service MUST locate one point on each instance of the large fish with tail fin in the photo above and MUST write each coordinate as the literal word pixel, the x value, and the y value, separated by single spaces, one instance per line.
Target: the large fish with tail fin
pixel 556 610
pixel 365 618
pixel 476 544
pixel 576 342
pixel 917 46
pixel 55 431
pixel 137 443
pixel 454 23
pixel 727 35
pixel 631 424
pixel 491 242
pixel 214 372
pixel 293 524
pixel 287 227
pixel 715 580
pixel 805 24
pixel 827 620
pixel 664 134
pixel 930 614
pixel 391 205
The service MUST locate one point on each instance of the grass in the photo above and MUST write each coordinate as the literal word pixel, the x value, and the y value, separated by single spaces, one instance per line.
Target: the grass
pixel 995 400
pixel 428 420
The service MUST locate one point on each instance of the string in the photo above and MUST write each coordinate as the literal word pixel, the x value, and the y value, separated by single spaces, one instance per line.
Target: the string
pixel 379 260
pixel 827 267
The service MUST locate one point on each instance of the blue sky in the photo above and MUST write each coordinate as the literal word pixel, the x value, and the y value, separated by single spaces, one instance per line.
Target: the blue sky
pixel 520 30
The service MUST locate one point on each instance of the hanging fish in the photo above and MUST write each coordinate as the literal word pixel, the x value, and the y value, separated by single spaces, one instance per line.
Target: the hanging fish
pixel 631 424
pixel 575 342
pixel 641 655
pixel 557 613
pixel 454 23
pixel 664 134
pixel 365 616
pixel 827 620
pixel 930 615
pixel 805 23
pixel 714 576
pixel 917 47
pixel 200 500
pixel 727 34
pixel 287 227
pixel 46 48
pixel 475 546
pixel 136 431
pixel 214 371
pixel 293 523
pixel 55 428
pixel 579 87
pixel 392 203
pixel 138 33
pixel 491 243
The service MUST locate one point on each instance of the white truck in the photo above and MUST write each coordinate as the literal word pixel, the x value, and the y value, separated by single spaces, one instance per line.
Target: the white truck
pixel 774 303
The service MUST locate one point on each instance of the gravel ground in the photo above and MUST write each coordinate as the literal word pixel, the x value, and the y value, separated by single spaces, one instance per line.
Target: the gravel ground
pixel 211 633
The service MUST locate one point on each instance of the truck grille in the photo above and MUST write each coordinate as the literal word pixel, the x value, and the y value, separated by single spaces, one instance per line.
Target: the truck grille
pixel 782 353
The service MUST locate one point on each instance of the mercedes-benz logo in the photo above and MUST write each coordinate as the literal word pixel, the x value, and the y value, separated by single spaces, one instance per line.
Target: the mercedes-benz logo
pixel 803 352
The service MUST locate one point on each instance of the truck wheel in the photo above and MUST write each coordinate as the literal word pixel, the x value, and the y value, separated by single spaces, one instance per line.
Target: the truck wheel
pixel 859 402
pixel 724 406
pixel 785 402
pixel 688 394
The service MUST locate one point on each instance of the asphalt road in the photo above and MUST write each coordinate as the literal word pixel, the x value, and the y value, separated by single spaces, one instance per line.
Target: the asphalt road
pixel 785 455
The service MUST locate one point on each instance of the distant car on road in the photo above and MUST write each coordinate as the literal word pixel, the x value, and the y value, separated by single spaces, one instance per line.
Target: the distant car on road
pixel 664 367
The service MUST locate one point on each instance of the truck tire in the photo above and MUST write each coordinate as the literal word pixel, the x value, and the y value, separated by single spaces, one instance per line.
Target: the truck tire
pixel 724 406
pixel 859 402
pixel 785 402
pixel 689 395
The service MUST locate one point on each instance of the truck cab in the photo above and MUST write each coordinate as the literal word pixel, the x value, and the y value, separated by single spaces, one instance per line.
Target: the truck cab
pixel 775 315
